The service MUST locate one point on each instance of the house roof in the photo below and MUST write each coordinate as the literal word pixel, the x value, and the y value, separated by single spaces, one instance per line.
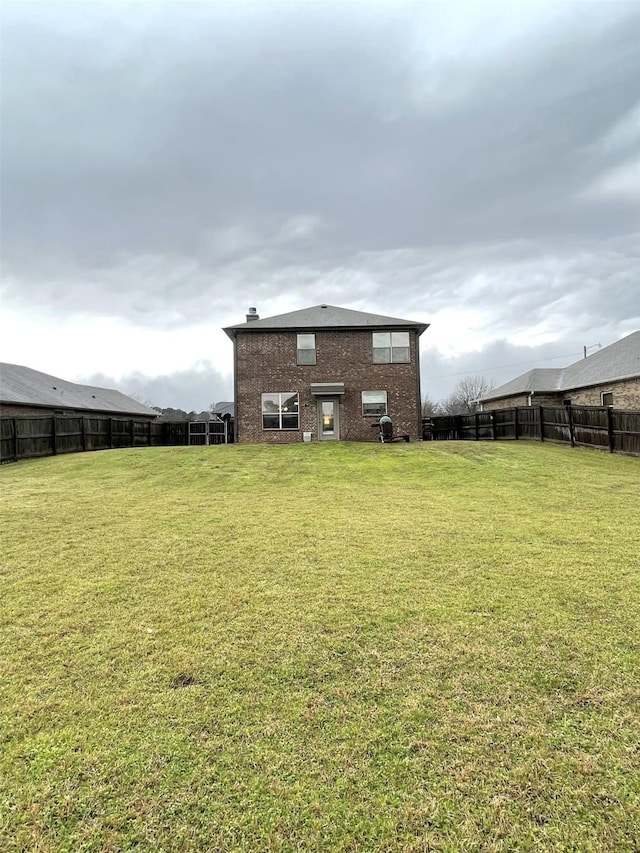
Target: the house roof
pixel 206 416
pixel 25 386
pixel 539 379
pixel 324 317
pixel 224 408
pixel 620 360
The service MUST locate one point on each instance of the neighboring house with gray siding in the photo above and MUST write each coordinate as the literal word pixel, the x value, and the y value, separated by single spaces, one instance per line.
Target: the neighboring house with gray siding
pixel 608 377
pixel 329 371
pixel 26 392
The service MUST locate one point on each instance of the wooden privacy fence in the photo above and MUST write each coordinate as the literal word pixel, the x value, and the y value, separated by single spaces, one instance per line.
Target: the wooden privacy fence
pixel 580 426
pixel 211 432
pixel 26 437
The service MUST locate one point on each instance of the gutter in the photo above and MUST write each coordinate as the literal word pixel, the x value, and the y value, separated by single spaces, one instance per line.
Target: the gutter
pixel 232 331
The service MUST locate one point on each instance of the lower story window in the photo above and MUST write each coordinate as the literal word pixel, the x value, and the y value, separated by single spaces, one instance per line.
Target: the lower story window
pixel 607 398
pixel 280 411
pixel 374 402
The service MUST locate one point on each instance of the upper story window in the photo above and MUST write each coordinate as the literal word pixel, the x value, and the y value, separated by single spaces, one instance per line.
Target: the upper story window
pixel 280 411
pixel 391 347
pixel 306 349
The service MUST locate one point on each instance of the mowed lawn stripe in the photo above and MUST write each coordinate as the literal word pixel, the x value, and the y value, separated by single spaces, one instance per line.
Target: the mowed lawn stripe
pixel 321 647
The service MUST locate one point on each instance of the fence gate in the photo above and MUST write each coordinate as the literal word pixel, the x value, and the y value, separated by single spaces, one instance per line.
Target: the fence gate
pixel 205 433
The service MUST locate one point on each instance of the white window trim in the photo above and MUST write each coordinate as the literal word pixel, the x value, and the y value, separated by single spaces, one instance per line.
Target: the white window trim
pixel 281 394
pixel 374 414
pixel 306 349
pixel 391 345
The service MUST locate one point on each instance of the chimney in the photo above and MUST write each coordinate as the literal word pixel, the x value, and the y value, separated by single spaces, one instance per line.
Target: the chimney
pixel 252 315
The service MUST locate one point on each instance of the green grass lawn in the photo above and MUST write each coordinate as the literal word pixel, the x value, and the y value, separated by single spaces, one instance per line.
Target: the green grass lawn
pixel 321 647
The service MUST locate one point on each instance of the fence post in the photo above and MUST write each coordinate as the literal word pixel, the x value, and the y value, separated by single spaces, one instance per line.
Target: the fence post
pixel 458 426
pixel 572 435
pixel 493 424
pixel 83 436
pixel 111 433
pixel 541 416
pixel 515 422
pixel 54 436
pixel 610 427
pixel 149 433
pixel 15 439
pixel 477 427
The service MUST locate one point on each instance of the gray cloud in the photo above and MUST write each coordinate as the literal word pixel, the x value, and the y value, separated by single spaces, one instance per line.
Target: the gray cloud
pixel 139 137
pixel 497 363
pixel 192 390
pixel 174 163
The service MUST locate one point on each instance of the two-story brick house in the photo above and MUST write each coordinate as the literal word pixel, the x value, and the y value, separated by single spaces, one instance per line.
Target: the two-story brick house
pixel 328 371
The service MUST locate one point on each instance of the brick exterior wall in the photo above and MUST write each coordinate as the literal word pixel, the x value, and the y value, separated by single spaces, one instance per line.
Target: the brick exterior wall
pixel 18 411
pixel 547 399
pixel 506 403
pixel 523 400
pixel 266 363
pixel 626 394
pixel 8 411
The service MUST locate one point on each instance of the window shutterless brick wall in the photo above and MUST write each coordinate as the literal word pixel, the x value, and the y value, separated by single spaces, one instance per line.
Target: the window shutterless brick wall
pixel 8 410
pixel 506 402
pixel 548 399
pixel 523 400
pixel 626 395
pixel 18 411
pixel 266 362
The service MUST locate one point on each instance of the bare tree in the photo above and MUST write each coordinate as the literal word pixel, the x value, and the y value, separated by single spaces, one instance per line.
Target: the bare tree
pixel 430 407
pixel 463 399
pixel 170 414
pixel 449 406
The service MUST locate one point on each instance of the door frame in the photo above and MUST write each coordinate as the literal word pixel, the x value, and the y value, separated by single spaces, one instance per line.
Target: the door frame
pixel 329 398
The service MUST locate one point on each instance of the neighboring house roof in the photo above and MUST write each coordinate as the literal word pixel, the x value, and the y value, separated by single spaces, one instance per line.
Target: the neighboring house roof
pixel 324 317
pixel 206 416
pixel 23 386
pixel 539 379
pixel 224 408
pixel 217 413
pixel 620 360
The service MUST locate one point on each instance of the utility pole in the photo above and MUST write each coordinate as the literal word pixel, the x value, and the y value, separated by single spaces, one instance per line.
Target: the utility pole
pixel 590 346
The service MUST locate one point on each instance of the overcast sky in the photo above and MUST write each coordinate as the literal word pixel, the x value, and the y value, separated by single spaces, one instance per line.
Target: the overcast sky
pixel 165 166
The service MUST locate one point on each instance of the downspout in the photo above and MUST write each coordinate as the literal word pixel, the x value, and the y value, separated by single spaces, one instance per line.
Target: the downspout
pixel 418 388
pixel 236 429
